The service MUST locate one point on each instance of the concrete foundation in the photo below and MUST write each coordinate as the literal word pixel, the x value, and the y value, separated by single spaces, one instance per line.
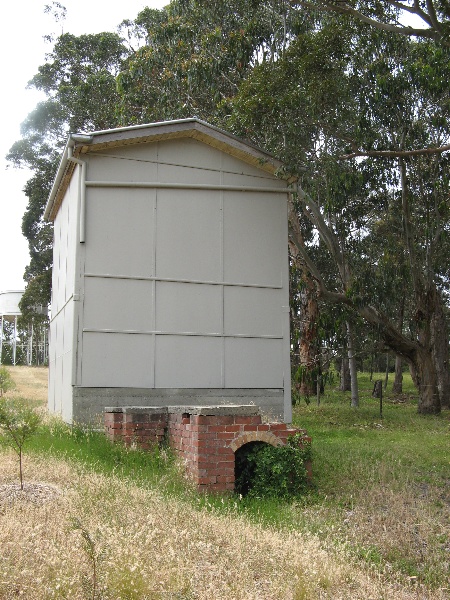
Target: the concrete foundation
pixel 89 403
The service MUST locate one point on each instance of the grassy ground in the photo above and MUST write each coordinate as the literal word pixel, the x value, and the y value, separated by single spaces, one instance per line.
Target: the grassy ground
pixel 382 485
pixel 375 524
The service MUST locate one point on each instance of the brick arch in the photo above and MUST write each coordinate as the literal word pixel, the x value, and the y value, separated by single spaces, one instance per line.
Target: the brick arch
pixel 255 436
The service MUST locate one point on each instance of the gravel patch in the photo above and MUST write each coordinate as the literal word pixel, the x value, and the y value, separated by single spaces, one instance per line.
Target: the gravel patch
pixel 34 493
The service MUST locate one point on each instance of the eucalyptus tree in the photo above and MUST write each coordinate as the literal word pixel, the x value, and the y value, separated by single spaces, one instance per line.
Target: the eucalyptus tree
pixel 194 54
pixel 355 116
pixel 79 80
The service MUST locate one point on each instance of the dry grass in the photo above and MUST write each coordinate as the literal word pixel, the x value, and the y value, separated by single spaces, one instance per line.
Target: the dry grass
pixel 146 546
pixel 150 547
pixel 30 383
pixel 398 531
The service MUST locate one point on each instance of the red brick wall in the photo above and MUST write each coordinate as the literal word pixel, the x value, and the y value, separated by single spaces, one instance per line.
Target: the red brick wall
pixel 205 442
pixel 135 426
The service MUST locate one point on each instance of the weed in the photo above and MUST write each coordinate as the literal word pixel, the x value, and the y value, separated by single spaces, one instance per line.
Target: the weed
pixel 94 556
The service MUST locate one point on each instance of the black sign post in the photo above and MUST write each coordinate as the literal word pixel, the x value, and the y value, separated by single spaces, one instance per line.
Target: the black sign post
pixel 378 393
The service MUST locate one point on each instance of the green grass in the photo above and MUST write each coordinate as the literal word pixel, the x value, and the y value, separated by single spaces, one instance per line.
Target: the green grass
pixel 94 451
pixel 353 447
pixel 380 486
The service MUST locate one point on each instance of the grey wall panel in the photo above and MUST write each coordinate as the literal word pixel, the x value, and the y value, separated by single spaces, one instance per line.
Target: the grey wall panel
pixel 117 360
pixel 52 341
pixel 188 243
pixel 119 232
pixel 65 230
pixel 254 244
pixel 63 252
pixel 55 273
pixel 252 362
pixel 124 166
pixel 184 307
pixel 58 386
pixel 143 152
pixel 189 175
pixel 51 387
pixel 190 153
pixel 253 311
pixel 72 237
pixel 252 180
pixel 120 304
pixel 188 361
pixel 233 165
pixel 59 342
pixel 59 292
pixel 66 387
pixel 68 327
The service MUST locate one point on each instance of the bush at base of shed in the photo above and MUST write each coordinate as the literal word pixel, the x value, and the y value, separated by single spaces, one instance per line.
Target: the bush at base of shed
pixel 263 470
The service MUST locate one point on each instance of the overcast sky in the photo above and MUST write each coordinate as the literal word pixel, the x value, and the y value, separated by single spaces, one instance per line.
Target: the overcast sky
pixel 22 50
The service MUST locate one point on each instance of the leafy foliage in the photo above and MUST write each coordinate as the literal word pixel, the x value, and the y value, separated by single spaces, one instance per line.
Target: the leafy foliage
pixel 266 471
pixel 78 78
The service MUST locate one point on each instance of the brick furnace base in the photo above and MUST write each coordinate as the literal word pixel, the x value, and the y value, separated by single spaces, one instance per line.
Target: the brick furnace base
pixel 204 437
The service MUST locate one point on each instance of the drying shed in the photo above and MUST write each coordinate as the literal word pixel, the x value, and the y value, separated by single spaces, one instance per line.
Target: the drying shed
pixel 170 276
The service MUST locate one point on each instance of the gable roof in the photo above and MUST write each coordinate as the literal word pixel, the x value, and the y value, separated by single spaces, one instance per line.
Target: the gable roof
pixel 79 144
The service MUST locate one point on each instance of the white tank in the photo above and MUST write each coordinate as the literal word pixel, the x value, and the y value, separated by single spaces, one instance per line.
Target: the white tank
pixel 9 303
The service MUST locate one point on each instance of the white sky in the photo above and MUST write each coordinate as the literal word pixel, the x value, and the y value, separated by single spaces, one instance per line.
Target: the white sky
pixel 22 51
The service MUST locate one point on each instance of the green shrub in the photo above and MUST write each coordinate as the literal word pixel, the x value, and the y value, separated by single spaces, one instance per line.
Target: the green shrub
pixel 265 471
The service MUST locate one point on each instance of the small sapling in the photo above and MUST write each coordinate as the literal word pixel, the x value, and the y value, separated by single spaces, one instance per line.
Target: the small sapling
pixel 18 423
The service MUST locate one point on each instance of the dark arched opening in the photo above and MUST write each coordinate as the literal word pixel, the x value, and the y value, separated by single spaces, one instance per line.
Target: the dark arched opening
pixel 245 459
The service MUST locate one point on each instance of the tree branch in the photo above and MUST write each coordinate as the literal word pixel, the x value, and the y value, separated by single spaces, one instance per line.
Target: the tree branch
pixel 411 9
pixel 296 239
pixel 313 213
pixel 394 153
pixel 433 16
pixel 421 13
pixel 344 9
pixel 392 337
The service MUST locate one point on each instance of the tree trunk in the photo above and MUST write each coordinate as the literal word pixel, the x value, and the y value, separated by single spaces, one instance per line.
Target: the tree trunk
pixel 427 380
pixel 418 352
pixel 371 365
pixel 309 356
pixel 352 367
pixel 308 309
pixel 440 351
pixel 397 386
pixel 346 384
